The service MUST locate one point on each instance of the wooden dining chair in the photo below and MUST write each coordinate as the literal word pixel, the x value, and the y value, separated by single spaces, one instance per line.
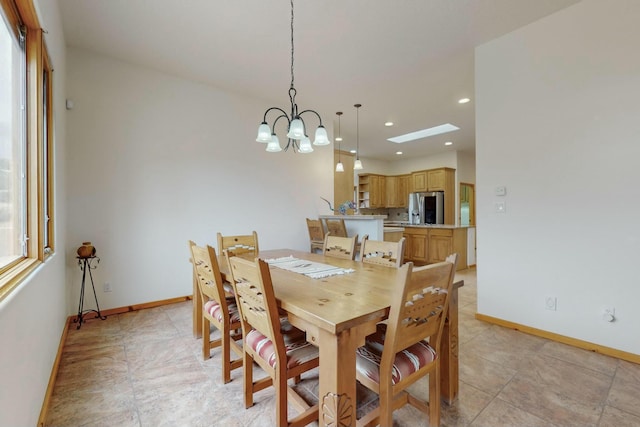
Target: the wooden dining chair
pixel 336 227
pixel 316 234
pixel 238 245
pixel 219 309
pixel 280 349
pixel 407 347
pixel 388 254
pixel 340 247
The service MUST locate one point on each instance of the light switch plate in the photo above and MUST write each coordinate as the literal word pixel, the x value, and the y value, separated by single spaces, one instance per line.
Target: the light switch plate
pixel 501 191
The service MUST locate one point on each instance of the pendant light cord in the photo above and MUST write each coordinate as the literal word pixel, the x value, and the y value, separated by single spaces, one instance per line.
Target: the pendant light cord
pixel 291 44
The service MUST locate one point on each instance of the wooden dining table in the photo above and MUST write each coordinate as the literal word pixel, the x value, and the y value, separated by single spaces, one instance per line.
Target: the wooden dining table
pixel 337 313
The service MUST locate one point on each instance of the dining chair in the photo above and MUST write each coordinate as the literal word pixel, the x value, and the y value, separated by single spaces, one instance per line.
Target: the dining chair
pixel 279 348
pixel 340 247
pixel 407 347
pixel 388 254
pixel 238 245
pixel 219 309
pixel 316 234
pixel 336 226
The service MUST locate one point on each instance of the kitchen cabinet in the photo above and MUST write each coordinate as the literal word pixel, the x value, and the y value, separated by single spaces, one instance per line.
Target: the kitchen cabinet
pixel 371 191
pixel 425 245
pixel 416 245
pixel 436 180
pixel 419 181
pixel 392 195
pixel 403 191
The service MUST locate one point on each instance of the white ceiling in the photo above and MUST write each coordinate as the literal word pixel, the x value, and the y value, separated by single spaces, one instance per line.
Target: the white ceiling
pixel 407 61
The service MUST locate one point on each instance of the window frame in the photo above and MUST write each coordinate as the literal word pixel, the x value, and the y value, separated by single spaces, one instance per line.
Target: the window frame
pixel 22 13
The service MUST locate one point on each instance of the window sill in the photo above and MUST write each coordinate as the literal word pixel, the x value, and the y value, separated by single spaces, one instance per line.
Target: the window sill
pixel 11 278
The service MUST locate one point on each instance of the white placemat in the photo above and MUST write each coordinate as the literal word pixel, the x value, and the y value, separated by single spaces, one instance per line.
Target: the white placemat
pixel 312 269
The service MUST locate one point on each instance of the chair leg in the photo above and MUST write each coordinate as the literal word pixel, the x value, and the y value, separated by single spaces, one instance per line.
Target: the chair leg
pixel 280 384
pixel 434 396
pixel 226 354
pixel 386 406
pixel 206 338
pixel 248 380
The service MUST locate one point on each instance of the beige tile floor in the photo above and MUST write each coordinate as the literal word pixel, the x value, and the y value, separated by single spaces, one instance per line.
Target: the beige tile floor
pixel 145 368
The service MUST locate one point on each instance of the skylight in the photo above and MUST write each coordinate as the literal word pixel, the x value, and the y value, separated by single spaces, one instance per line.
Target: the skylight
pixel 424 133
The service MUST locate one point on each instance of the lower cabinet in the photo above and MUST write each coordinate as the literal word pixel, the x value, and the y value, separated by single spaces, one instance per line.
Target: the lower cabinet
pixel 430 245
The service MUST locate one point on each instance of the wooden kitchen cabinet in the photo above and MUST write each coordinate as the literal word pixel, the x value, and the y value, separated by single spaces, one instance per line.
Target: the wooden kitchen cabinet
pixel 371 191
pixel 391 192
pixel 416 245
pixel 430 245
pixel 403 191
pixel 419 181
pixel 436 180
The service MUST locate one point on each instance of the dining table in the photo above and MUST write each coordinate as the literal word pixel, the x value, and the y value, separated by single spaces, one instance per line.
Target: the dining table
pixel 337 312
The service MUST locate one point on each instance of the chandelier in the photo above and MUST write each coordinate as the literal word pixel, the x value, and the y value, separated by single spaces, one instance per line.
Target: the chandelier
pixel 296 133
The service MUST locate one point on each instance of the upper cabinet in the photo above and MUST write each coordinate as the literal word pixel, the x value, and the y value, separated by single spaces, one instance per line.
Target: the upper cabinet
pixel 371 191
pixel 419 181
pixel 380 191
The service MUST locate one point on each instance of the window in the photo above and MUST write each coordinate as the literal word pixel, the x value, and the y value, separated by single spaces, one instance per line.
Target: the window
pixel 26 137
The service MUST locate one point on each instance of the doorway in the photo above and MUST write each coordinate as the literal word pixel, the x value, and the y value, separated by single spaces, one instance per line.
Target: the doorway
pixel 467 214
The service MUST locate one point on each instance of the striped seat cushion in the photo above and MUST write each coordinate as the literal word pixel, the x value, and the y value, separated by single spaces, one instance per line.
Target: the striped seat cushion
pixel 298 349
pixel 214 310
pixel 407 361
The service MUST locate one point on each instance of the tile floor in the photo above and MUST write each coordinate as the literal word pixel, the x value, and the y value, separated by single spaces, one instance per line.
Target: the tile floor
pixel 145 368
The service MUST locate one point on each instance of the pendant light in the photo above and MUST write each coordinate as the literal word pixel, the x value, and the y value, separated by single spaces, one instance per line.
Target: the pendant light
pixel 339 166
pixel 357 165
pixel 297 137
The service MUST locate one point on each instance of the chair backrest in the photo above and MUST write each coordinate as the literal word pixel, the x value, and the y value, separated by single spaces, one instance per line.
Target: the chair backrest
pixel 256 300
pixel 340 247
pixel 336 227
pixel 238 245
pixel 388 254
pixel 316 231
pixel 207 270
pixel 419 307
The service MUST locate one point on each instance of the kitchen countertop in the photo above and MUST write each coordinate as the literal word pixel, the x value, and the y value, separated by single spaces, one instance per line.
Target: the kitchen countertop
pixel 443 226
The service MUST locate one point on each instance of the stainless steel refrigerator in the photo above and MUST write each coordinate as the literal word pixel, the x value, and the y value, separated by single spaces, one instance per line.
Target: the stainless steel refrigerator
pixel 426 208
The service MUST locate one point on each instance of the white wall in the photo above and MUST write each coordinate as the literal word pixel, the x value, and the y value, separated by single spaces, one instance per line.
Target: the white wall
pixel 557 124
pixel 155 160
pixel 33 316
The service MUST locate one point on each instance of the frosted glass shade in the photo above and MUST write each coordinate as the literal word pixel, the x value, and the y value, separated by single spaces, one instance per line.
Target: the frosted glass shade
pixel 339 167
pixel 305 145
pixel 296 129
pixel 321 136
pixel 274 144
pixel 357 165
pixel 264 133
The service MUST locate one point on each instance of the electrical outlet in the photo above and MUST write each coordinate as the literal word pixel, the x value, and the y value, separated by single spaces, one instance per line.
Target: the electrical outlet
pixel 106 287
pixel 551 303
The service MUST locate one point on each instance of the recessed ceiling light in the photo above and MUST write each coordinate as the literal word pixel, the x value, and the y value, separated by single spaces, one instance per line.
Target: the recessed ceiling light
pixel 399 153
pixel 436 130
pixel 388 124
pixel 353 151
pixel 463 100
pixel 448 143
pixel 338 138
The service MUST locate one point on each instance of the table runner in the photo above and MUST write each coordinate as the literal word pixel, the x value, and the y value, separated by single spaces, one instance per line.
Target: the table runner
pixel 312 269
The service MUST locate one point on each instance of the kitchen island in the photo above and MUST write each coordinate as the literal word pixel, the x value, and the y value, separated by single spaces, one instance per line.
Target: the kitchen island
pixel 373 225
pixel 428 244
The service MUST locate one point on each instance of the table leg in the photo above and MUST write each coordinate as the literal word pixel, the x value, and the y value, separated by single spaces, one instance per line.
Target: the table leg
pixel 337 390
pixel 449 386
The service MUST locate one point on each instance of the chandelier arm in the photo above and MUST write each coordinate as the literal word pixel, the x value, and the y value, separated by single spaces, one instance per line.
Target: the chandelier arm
pixel 273 128
pixel 314 112
pixel 292 50
pixel 273 108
